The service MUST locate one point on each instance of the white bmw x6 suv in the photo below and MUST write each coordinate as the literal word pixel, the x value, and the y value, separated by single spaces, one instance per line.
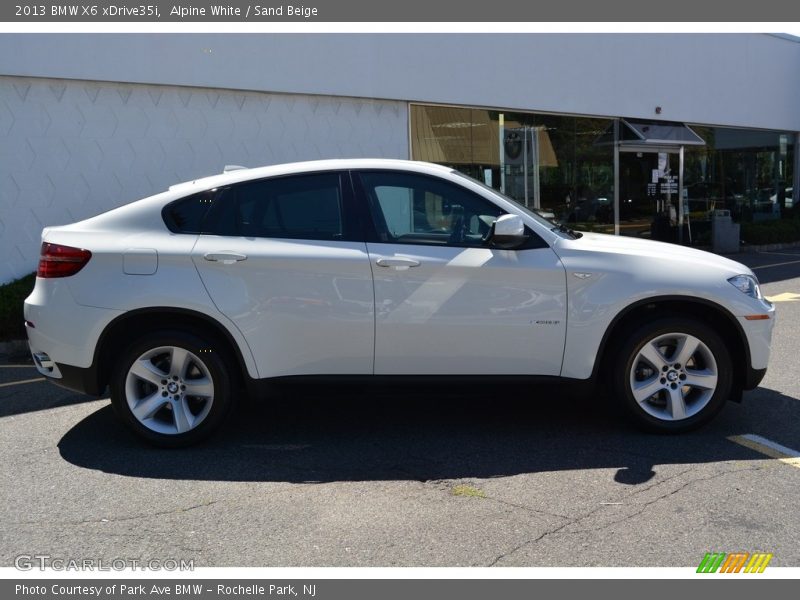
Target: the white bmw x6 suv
pixel 378 268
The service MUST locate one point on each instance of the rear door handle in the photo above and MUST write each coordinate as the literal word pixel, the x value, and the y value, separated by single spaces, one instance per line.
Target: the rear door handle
pixel 397 263
pixel 226 258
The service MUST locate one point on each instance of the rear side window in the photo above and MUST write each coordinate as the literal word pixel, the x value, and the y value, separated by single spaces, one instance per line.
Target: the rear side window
pixel 303 207
pixel 187 214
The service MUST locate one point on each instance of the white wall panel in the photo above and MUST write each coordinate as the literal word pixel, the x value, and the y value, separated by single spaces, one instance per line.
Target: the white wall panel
pixel 71 149
pixel 740 80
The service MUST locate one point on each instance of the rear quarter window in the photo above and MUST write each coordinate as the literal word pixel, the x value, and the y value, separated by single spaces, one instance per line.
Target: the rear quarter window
pixel 187 215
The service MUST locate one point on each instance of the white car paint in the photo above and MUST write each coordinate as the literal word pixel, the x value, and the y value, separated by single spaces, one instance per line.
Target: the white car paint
pixel 297 308
pixel 305 307
pixel 625 270
pixel 464 311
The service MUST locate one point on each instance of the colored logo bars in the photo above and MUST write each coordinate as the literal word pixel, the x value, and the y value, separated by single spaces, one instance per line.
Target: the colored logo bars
pixel 734 563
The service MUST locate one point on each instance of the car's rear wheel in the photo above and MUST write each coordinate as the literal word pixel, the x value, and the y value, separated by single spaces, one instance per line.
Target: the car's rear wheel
pixel 672 374
pixel 171 388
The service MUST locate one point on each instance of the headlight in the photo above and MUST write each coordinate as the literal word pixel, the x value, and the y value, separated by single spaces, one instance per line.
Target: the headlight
pixel 747 284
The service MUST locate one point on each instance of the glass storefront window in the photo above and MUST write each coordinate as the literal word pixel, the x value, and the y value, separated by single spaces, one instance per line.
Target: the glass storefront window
pixel 579 187
pixel 563 167
pixel 550 163
pixel 748 172
pixel 648 197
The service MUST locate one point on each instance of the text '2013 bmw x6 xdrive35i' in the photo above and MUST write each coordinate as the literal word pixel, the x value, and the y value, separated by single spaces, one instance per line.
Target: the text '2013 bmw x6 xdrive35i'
pixel 378 268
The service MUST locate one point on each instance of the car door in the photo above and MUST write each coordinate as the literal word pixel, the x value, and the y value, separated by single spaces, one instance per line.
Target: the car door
pixel 448 303
pixel 284 260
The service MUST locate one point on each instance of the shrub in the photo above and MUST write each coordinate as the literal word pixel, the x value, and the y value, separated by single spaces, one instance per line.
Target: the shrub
pixel 12 295
pixel 771 232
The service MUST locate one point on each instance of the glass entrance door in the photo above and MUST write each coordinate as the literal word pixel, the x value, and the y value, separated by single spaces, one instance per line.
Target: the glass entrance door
pixel 649 194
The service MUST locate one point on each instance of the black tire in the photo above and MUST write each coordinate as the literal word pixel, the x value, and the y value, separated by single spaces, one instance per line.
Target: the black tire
pixel 641 413
pixel 204 362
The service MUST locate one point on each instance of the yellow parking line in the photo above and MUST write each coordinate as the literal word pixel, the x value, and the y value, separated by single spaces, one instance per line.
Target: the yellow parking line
pixel 784 297
pixel 768 448
pixel 21 382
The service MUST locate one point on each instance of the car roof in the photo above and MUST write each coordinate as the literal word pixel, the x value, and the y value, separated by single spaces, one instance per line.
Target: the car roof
pixel 240 174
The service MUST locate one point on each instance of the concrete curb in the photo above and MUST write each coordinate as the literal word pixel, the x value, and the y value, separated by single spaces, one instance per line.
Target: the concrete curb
pixel 769 247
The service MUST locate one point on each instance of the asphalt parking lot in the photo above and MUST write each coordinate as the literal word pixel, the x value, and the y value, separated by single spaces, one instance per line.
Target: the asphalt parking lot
pixel 452 477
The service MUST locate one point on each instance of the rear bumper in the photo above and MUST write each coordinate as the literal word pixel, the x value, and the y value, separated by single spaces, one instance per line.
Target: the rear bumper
pixel 59 327
pixel 78 379
pixel 63 335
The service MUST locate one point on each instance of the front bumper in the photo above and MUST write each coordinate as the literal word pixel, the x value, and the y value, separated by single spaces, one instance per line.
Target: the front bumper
pixel 753 377
pixel 758 334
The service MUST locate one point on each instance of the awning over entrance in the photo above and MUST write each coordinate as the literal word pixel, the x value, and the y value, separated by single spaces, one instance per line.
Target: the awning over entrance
pixel 661 133
pixel 655 133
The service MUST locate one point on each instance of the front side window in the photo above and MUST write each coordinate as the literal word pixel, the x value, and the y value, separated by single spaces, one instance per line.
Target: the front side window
pixel 296 207
pixel 411 208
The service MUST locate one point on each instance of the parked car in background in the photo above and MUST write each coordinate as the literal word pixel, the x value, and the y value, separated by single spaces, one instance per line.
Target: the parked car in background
pixel 183 302
pixel 788 194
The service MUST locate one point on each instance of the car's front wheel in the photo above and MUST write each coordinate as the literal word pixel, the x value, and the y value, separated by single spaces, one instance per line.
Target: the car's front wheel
pixel 672 374
pixel 171 388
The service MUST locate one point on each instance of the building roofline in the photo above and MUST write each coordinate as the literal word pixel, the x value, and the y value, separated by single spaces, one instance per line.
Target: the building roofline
pixel 789 37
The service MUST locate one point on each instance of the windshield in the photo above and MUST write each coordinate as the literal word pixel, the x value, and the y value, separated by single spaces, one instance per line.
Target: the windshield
pixel 550 224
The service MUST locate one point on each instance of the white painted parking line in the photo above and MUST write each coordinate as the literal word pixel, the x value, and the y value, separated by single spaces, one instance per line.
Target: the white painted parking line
pixel 21 382
pixel 17 366
pixel 779 253
pixel 768 448
pixel 791 262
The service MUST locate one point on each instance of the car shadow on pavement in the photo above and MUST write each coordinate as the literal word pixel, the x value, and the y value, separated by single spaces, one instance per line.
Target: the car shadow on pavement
pixel 32 397
pixel 461 434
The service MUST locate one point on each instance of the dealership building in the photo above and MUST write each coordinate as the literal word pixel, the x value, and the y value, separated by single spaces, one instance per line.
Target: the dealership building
pixel 648 135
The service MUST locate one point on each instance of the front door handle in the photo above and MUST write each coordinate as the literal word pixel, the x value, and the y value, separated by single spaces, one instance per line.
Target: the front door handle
pixel 397 263
pixel 226 258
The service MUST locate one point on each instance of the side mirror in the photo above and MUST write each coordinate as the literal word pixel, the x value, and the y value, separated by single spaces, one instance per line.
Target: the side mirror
pixel 508 232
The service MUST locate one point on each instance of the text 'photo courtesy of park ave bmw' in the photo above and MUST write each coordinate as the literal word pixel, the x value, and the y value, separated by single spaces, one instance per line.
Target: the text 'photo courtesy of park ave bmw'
pixel 188 301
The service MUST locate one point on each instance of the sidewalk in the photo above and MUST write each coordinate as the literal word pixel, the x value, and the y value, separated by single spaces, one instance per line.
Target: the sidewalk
pixel 773 265
pixel 763 257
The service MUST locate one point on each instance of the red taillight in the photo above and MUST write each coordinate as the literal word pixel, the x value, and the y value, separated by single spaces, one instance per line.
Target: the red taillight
pixel 61 261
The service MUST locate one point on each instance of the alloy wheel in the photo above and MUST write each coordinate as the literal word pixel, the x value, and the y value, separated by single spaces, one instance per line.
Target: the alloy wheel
pixel 673 376
pixel 169 390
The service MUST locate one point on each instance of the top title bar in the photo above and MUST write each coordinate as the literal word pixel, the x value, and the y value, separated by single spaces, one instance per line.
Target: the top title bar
pixel 469 11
